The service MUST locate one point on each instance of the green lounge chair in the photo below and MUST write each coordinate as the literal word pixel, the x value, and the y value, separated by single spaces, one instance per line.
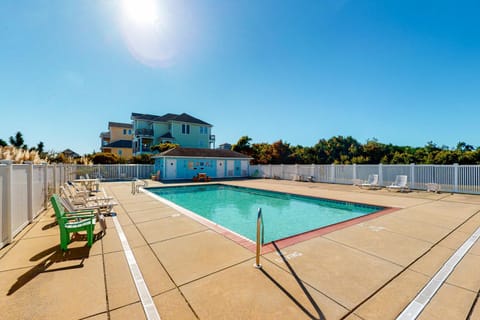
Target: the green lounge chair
pixel 73 222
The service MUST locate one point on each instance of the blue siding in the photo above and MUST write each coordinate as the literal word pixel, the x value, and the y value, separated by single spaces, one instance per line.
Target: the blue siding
pixel 187 168
pixel 158 165
pixel 238 168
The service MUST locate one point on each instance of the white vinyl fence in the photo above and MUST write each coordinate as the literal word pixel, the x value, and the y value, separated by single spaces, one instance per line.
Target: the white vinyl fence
pixel 25 189
pixel 451 178
pixel 24 192
pixel 113 172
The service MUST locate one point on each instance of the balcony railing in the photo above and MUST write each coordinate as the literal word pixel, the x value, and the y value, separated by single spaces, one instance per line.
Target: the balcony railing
pixel 144 132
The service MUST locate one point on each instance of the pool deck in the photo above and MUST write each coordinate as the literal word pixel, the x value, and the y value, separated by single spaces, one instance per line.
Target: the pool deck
pixel 370 270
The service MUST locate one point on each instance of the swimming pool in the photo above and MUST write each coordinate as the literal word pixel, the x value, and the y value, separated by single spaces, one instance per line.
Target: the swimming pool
pixel 284 215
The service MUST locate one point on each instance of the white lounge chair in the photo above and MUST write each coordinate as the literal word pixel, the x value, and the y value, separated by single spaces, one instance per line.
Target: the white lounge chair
pixel 371 183
pixel 400 184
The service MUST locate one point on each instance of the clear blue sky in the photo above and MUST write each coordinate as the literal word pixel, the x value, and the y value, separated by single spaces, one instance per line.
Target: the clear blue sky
pixel 404 72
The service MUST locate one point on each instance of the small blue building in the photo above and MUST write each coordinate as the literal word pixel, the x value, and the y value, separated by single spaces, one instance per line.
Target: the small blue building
pixel 185 163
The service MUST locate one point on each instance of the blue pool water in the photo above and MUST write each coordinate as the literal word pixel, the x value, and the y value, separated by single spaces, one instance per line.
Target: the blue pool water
pixel 284 215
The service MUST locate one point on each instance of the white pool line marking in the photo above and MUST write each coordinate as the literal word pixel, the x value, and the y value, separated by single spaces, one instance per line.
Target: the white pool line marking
pixel 145 297
pixel 415 307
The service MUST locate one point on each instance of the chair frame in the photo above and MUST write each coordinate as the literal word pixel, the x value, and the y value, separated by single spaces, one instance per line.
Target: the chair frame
pixel 83 220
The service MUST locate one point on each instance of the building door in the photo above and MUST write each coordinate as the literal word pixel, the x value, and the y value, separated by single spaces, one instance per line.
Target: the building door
pixel 220 168
pixel 230 168
pixel 244 168
pixel 171 168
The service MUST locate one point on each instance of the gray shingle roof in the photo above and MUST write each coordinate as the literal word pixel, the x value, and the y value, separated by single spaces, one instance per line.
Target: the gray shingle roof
pixel 120 124
pixel 120 144
pixel 167 135
pixel 184 117
pixel 202 153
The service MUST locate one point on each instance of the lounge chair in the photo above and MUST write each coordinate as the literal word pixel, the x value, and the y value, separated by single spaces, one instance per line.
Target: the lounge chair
pixel 433 187
pixel 72 222
pixel 371 183
pixel 78 197
pixel 400 184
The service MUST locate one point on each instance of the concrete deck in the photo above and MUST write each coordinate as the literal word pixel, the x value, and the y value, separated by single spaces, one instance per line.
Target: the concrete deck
pixel 370 270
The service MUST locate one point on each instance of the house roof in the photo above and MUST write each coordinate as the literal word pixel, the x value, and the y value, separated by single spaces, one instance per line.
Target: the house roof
pixel 167 135
pixel 184 117
pixel 120 144
pixel 70 153
pixel 121 125
pixel 202 153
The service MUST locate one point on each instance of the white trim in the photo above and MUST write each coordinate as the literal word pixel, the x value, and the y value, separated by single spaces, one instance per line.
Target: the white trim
pixel 415 307
pixel 146 298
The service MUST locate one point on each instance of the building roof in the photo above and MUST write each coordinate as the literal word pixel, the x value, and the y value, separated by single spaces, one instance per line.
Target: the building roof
pixel 167 135
pixel 121 125
pixel 70 153
pixel 202 153
pixel 184 117
pixel 120 144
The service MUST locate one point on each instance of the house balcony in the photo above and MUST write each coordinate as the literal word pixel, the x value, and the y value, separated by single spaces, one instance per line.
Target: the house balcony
pixel 144 132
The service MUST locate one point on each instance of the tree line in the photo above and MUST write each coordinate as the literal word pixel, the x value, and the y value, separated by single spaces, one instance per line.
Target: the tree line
pixel 347 150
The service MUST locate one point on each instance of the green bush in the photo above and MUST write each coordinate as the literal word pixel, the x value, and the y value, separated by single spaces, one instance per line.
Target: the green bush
pixel 105 158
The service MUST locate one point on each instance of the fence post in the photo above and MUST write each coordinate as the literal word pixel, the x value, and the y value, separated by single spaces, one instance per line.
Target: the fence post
pixel 412 175
pixel 9 203
pixel 55 187
pixel 332 173
pixel 136 167
pixel 354 171
pixel 45 186
pixel 312 173
pixel 282 171
pixel 380 174
pixel 30 192
pixel 455 183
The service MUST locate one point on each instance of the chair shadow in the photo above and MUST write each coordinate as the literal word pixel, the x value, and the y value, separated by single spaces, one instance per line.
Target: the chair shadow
pixel 50 225
pixel 51 256
pixel 320 315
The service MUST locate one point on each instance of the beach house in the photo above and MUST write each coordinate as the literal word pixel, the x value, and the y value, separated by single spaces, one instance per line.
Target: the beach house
pixel 182 129
pixel 118 139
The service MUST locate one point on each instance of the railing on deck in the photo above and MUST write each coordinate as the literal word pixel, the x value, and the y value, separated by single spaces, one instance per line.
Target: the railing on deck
pixel 450 178
pixel 260 239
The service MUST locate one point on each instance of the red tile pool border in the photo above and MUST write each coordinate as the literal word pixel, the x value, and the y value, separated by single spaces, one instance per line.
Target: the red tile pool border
pixel 282 243
pixel 285 242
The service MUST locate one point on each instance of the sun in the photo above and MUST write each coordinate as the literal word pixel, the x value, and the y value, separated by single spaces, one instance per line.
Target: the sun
pixel 148 32
pixel 141 12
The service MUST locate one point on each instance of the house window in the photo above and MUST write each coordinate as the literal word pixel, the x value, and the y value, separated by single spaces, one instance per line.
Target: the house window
pixel 120 152
pixel 185 128
pixel 129 131
pixel 124 131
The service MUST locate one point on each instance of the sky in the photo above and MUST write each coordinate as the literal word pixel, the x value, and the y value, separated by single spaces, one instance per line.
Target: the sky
pixel 403 72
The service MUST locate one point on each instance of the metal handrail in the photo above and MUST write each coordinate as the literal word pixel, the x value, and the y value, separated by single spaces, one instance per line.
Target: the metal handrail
pixel 260 241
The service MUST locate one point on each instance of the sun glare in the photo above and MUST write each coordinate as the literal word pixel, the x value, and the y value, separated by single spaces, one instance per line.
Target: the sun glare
pixel 141 12
pixel 148 32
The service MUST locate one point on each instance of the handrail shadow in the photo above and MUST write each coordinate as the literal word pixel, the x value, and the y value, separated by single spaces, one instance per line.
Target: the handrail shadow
pixel 320 315
pixel 51 256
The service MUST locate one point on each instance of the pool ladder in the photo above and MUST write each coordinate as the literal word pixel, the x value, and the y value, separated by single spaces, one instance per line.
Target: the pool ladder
pixel 260 238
